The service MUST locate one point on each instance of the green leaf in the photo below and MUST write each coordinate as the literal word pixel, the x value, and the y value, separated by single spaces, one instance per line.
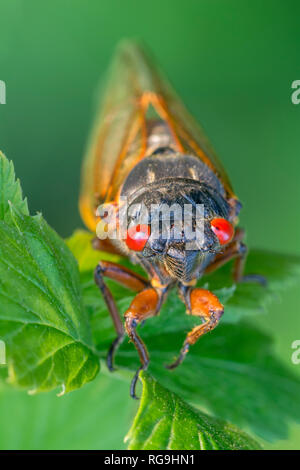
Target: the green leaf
pixel 10 189
pixel 165 422
pixel 232 371
pixel 42 318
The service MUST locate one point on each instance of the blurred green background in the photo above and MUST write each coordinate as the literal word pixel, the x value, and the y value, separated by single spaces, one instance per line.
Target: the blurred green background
pixel 233 63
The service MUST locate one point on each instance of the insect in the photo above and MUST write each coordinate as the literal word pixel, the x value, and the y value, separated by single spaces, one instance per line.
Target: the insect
pixel 147 149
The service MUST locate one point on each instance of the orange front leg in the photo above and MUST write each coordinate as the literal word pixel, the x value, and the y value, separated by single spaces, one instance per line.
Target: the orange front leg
pixel 146 304
pixel 128 279
pixel 206 305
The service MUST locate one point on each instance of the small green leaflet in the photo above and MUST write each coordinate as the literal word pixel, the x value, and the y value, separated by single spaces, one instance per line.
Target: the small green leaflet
pixel 165 421
pixel 10 189
pixel 81 246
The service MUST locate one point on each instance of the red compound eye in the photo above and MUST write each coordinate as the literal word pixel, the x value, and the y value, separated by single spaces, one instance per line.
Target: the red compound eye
pixel 223 230
pixel 137 237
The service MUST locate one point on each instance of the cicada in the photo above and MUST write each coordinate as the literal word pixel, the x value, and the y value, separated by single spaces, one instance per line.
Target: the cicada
pixel 147 150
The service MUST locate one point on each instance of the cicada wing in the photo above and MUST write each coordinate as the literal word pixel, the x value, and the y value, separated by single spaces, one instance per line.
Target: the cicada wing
pixel 119 138
pixel 106 151
pixel 188 134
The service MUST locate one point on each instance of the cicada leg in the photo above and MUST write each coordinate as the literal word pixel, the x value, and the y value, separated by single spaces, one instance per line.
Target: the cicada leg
pixel 204 304
pixel 105 245
pixel 146 304
pixel 128 279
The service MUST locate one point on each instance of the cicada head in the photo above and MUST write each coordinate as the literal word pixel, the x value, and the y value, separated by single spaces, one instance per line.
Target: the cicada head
pixel 179 224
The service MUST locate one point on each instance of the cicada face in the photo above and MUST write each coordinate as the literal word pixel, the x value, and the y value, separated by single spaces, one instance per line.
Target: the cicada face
pixel 171 220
